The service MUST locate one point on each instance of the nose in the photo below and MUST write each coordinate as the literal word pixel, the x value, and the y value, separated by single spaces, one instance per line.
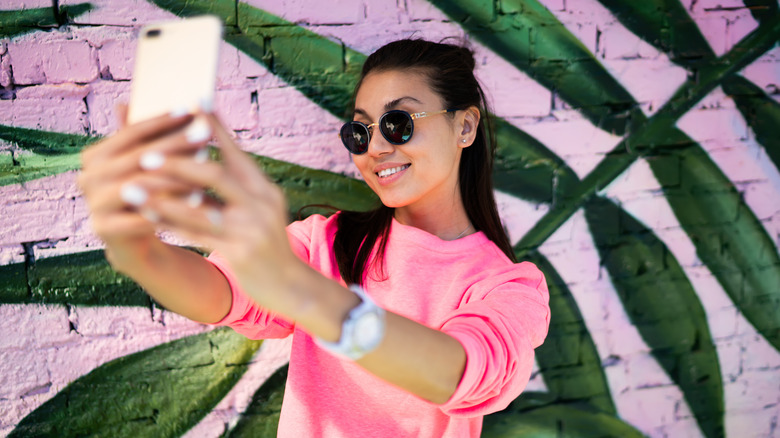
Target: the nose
pixel 378 145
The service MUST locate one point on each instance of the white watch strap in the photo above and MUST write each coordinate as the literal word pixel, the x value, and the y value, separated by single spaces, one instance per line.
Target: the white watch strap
pixel 354 345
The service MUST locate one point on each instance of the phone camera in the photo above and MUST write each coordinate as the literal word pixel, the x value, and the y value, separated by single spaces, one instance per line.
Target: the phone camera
pixel 151 33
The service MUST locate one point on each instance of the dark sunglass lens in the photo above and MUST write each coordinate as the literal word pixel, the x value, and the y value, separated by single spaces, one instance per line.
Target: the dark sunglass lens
pixel 396 127
pixel 355 137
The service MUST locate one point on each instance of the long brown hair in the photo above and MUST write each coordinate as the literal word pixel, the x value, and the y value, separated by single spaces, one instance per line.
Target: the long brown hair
pixel 449 69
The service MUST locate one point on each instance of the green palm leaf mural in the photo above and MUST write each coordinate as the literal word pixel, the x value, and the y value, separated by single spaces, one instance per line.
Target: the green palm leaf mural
pixel 568 359
pixel 727 236
pixel 13 23
pixel 160 392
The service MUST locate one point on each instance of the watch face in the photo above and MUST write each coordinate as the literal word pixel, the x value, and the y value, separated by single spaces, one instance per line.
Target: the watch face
pixel 368 331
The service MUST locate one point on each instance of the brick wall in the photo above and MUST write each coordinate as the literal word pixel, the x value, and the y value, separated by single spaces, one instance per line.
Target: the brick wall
pixel 66 78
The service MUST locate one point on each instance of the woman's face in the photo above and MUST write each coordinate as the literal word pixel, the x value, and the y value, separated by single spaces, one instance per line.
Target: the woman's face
pixel 423 173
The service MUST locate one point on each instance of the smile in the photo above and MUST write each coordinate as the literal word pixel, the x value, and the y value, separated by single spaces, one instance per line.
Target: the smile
pixel 387 172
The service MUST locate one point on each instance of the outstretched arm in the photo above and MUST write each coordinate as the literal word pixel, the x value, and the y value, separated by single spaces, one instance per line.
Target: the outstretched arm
pixel 116 189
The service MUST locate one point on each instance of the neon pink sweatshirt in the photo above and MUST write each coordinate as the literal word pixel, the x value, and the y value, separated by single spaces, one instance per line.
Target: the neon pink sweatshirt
pixel 467 288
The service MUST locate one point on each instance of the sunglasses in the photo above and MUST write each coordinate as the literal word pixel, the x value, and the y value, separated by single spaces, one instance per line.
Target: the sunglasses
pixel 396 127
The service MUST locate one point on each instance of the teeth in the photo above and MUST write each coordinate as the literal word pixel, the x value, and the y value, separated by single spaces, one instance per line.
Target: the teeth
pixel 388 172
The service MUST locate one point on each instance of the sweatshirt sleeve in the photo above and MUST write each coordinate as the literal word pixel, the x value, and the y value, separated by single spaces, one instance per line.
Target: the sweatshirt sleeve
pixel 499 329
pixel 245 316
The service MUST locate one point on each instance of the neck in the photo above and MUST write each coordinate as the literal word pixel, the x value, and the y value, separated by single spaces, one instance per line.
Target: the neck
pixel 448 223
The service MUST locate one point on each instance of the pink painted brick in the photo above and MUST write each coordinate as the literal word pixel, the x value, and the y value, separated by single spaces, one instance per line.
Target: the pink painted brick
pixel 236 69
pixel 235 109
pixel 116 59
pixel 5 67
pixel 9 5
pixel 58 114
pixel 765 72
pixel 314 11
pixel 510 91
pixel 424 10
pixel 53 61
pixel 648 408
pixel 617 42
pixel 102 102
pixel 759 423
pixel 730 354
pixel 28 221
pixel 651 82
pixel 34 326
pixel 751 390
pixel 22 376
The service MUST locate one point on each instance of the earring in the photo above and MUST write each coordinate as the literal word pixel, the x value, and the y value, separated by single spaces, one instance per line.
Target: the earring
pixel 464 140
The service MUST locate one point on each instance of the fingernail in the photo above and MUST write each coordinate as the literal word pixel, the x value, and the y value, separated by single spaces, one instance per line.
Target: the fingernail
pixel 195 199
pixel 201 156
pixel 179 112
pixel 133 194
pixel 198 131
pixel 150 215
pixel 152 160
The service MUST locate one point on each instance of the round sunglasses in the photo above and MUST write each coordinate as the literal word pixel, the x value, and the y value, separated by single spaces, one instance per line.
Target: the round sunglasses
pixel 396 127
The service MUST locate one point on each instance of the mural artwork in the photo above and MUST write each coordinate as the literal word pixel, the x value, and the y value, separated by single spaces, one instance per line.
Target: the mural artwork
pixel 637 167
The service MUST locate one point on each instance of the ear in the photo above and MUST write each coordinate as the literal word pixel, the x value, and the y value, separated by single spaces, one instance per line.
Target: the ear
pixel 468 126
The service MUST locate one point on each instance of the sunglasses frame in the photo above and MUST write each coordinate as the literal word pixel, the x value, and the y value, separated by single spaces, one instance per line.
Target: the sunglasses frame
pixel 369 128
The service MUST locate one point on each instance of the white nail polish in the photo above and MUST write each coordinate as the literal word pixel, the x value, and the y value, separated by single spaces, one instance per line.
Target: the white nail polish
pixel 180 111
pixel 150 215
pixel 201 156
pixel 133 194
pixel 195 199
pixel 198 131
pixel 152 160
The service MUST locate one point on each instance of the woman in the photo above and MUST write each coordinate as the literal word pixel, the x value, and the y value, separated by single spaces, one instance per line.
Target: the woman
pixel 411 320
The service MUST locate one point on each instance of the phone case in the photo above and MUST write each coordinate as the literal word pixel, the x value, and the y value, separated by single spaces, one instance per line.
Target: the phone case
pixel 175 67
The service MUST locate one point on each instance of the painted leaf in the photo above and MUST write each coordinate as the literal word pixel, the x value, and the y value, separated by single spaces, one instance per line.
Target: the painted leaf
pixel 532 39
pixel 665 25
pixel 568 359
pixel 43 154
pixel 261 417
pixel 525 167
pixel 304 186
pixel 84 279
pixel 13 23
pixel 728 237
pixel 534 415
pixel 761 112
pixel 160 392
pixel 662 304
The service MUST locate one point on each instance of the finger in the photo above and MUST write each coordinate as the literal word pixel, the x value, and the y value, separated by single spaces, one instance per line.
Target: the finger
pixel 122 225
pixel 121 114
pixel 132 136
pixel 205 175
pixel 177 214
pixel 135 192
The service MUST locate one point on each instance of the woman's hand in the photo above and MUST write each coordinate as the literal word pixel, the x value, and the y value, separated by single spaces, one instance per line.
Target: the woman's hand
pixel 247 226
pixel 115 185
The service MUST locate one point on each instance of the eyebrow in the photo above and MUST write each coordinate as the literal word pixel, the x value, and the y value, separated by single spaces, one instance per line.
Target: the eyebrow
pixel 389 105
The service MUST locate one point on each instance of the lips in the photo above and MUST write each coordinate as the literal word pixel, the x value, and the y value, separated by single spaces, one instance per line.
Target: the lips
pixel 391 171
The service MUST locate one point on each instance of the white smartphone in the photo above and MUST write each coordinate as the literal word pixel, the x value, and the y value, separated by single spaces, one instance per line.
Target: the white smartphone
pixel 175 67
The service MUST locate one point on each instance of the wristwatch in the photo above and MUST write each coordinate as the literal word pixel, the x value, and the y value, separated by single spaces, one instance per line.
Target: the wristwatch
pixel 362 330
